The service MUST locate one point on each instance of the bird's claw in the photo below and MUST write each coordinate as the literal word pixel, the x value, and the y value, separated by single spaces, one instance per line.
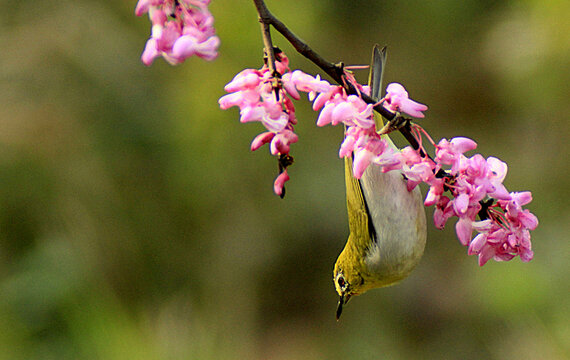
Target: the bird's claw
pixel 396 123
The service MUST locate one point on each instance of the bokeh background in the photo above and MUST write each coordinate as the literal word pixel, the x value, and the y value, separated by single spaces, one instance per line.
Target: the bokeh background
pixel 136 224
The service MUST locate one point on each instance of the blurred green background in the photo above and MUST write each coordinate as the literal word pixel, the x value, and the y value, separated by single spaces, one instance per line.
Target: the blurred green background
pixel 136 224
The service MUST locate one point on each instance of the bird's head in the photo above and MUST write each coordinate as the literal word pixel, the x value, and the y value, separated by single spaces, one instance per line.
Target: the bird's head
pixel 348 279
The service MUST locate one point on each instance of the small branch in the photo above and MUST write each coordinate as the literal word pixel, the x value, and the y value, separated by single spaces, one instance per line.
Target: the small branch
pixel 335 71
pixel 266 35
pixel 407 133
pixel 266 17
pixel 269 51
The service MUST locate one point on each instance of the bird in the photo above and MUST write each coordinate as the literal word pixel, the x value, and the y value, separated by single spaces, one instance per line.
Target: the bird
pixel 387 223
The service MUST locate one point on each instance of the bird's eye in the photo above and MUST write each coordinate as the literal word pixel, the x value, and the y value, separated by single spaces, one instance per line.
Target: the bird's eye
pixel 341 282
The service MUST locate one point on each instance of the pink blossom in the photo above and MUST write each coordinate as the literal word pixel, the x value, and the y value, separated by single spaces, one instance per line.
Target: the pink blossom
pixel 150 52
pixel 325 117
pixel 252 92
pixel 241 99
pixel 261 140
pixel 371 148
pixel 280 142
pixel 263 98
pixel 443 211
pixel 350 136
pixel 463 229
pixel 246 79
pixel 450 152
pixel 360 135
pixel 435 191
pixel 279 184
pixel 505 234
pixel 180 29
pixel 368 147
pixel 144 5
pixel 389 159
pixel 416 168
pixel 516 214
pixel 421 171
pixel 187 45
pixel 501 243
pixel 299 81
pixel 324 98
pixel 362 158
pixel 257 101
pixel 498 171
pixel 397 100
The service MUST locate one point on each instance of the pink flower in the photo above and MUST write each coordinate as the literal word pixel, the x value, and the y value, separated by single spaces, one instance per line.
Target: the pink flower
pixel 443 211
pixel 252 92
pixel 279 184
pixel 435 191
pixel 505 235
pixel 180 29
pixel 347 146
pixel 280 142
pixel 463 230
pixel 262 97
pixel 261 140
pixel 246 79
pixel 368 147
pixel 144 5
pixel 150 52
pixel 397 100
pixel 421 171
pixel 516 214
pixel 498 171
pixel 324 98
pixel 353 111
pixel 339 108
pixel 187 45
pixel 389 158
pixel 299 81
pixel 500 243
pixel 451 152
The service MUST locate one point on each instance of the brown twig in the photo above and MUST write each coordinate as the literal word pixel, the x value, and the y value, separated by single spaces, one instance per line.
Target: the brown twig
pixel 335 71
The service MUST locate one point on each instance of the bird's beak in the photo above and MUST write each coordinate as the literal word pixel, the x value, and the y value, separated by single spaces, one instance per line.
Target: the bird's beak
pixel 341 302
pixel 339 307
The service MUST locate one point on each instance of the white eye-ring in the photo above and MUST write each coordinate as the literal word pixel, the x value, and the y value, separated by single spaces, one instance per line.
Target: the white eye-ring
pixel 342 284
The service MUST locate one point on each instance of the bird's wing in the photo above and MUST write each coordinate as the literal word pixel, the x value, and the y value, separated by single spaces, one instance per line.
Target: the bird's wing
pixel 358 212
pixel 358 216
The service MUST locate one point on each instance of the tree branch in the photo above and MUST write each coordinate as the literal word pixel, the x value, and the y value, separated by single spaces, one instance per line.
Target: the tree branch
pixel 335 71
pixel 266 35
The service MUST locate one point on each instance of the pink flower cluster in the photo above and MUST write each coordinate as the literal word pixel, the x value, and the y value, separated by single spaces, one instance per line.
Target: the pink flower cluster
pixel 506 235
pixel 361 137
pixel 468 189
pixel 468 184
pixel 262 97
pixel 397 100
pixel 180 29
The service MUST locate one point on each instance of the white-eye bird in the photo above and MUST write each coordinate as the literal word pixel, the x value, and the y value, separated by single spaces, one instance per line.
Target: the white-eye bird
pixel 387 222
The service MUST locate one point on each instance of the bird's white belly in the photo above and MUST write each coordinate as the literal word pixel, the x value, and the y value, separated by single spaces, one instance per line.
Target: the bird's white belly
pixel 399 221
